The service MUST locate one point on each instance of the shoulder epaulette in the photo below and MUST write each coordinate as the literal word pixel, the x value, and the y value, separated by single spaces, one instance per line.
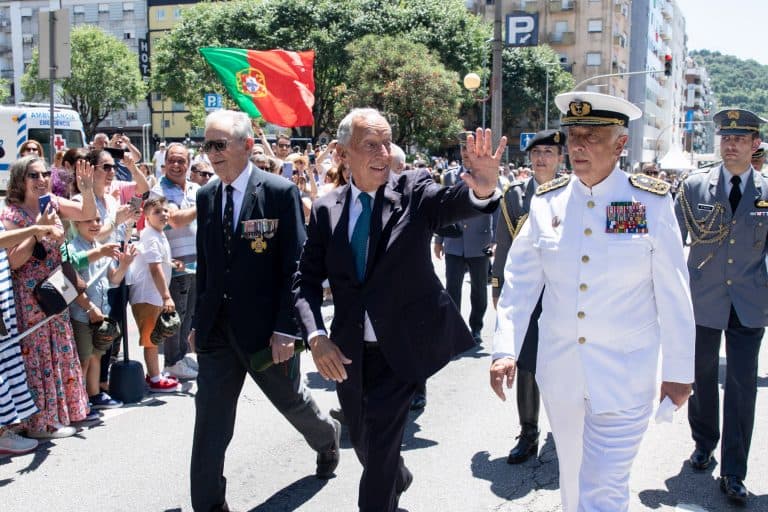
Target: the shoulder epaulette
pixel 653 185
pixel 511 185
pixel 553 184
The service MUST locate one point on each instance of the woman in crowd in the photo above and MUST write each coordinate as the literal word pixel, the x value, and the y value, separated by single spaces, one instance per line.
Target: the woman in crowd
pixel 49 353
pixel 16 403
pixel 32 148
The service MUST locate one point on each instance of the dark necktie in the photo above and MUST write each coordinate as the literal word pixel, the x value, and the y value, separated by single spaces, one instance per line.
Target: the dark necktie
pixel 229 217
pixel 735 196
pixel 359 240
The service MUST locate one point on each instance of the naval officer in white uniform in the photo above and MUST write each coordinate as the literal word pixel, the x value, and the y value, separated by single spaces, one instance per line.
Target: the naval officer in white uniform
pixel 606 249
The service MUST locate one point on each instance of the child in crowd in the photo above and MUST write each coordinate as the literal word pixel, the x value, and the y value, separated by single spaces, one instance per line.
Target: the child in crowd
pixel 91 307
pixel 149 294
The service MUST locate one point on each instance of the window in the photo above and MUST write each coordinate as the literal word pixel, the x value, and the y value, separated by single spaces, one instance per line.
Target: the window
pixel 127 6
pixel 561 26
pixel 78 9
pixel 26 38
pixel 167 123
pixel 128 34
pixel 103 7
pixel 131 116
pixel 594 59
pixel 160 14
pixel 178 107
pixel 156 96
pixel 595 25
pixel 177 13
pixel 26 12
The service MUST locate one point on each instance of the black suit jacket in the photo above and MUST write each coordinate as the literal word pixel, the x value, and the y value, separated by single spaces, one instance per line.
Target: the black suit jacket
pixel 259 284
pixel 417 324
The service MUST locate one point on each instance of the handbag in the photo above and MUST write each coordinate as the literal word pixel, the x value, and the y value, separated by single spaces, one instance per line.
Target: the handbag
pixel 61 288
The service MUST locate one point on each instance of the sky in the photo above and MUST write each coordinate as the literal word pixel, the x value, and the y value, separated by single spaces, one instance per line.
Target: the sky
pixel 735 27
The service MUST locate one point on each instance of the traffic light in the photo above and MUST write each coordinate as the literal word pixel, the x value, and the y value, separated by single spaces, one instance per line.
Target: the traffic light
pixel 668 65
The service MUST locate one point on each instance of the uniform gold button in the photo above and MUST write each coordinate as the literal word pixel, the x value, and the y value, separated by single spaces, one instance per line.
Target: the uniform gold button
pixel 729 282
pixel 582 340
pixel 588 231
pixel 730 260
pixel 583 287
pixel 590 204
pixel 465 226
pixel 733 222
pixel 585 259
pixel 581 314
pixel 732 241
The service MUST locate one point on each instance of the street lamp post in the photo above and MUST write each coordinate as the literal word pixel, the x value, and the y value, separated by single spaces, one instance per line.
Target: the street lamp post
pixel 472 83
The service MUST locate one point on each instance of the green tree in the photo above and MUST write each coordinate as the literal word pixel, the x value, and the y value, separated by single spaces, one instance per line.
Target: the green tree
pixel 326 26
pixel 524 75
pixel 406 82
pixel 5 90
pixel 105 77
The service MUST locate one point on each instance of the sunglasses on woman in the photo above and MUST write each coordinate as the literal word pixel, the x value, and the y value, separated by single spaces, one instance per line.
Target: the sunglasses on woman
pixel 108 167
pixel 36 175
pixel 30 148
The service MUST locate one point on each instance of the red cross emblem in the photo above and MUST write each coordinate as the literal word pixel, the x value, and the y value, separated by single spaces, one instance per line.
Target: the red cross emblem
pixel 59 142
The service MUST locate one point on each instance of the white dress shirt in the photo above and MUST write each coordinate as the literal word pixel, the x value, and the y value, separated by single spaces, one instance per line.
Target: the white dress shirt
pixel 240 184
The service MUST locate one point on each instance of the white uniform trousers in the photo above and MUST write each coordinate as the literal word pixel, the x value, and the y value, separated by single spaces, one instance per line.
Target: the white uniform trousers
pixel 595 453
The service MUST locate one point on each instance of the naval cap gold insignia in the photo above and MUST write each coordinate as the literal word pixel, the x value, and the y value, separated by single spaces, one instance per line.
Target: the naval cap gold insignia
pixel 580 108
pixel 733 114
pixel 557 137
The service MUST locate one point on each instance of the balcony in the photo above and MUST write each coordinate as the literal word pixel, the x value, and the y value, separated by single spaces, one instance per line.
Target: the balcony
pixel 562 38
pixel 531 6
pixel 561 5
pixel 666 32
pixel 666 11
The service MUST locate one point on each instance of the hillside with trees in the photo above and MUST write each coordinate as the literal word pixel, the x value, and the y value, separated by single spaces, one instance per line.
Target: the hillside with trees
pixel 736 82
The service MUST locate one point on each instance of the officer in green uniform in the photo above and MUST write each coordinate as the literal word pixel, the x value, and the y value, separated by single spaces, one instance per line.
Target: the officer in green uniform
pixel 545 151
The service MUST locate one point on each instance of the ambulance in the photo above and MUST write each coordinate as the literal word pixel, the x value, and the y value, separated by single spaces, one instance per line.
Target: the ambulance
pixel 25 121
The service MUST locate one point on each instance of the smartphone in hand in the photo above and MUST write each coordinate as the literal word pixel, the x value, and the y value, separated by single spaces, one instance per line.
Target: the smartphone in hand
pixel 43 201
pixel 287 169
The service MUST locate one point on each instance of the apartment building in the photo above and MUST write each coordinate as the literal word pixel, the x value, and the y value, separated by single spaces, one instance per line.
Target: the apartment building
pixel 168 117
pixel 698 130
pixel 659 130
pixel 19 35
pixel 591 36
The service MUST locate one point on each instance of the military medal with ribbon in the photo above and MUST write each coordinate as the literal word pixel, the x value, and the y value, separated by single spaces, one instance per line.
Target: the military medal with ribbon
pixel 626 217
pixel 257 230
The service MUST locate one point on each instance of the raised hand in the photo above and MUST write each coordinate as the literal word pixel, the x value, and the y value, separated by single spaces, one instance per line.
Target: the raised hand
pixel 84 176
pixel 483 163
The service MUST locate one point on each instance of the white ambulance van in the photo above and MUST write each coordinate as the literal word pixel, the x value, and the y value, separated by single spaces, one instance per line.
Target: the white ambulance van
pixel 25 121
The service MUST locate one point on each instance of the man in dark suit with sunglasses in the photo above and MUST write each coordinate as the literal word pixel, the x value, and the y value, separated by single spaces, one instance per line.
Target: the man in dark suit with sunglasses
pixel 244 306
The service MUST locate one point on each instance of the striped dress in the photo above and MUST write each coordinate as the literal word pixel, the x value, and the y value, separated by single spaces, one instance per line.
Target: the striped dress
pixel 16 403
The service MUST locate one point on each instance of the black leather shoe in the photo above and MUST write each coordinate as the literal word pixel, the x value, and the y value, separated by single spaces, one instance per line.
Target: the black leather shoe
pixel 328 460
pixel 734 488
pixel 700 459
pixel 404 482
pixel 419 402
pixel 338 414
pixel 526 447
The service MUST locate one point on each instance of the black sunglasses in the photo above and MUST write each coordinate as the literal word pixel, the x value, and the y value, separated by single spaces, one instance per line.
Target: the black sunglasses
pixel 30 148
pixel 215 145
pixel 204 173
pixel 36 175
pixel 108 167
pixel 283 145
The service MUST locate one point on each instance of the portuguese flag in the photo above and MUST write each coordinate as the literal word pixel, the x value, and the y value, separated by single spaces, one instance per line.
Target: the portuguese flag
pixel 277 85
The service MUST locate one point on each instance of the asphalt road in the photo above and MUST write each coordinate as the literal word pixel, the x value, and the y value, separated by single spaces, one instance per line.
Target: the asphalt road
pixel 137 458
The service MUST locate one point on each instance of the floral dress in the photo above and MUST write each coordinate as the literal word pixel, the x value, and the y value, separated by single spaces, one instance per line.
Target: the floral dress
pixel 53 368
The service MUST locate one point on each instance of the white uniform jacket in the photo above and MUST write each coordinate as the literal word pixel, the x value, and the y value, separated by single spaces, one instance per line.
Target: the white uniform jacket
pixel 610 301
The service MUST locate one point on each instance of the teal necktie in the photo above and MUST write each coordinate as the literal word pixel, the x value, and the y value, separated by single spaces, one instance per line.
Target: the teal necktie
pixel 359 239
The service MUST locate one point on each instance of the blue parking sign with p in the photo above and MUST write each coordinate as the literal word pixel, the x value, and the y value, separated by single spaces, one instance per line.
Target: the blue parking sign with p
pixel 522 29
pixel 212 101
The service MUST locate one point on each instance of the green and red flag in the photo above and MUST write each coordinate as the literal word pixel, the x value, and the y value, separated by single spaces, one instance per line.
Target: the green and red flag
pixel 277 85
